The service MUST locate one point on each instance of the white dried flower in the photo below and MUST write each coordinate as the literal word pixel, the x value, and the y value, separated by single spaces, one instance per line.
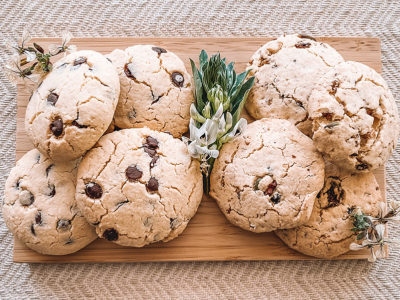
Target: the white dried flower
pixel 30 56
pixel 13 68
pixel 64 47
pixel 26 37
pixel 66 37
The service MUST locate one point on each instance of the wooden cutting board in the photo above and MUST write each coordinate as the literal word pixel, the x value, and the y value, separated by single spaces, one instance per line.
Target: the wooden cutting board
pixel 208 236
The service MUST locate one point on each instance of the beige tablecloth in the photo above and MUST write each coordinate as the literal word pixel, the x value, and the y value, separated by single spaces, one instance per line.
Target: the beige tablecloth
pixel 233 280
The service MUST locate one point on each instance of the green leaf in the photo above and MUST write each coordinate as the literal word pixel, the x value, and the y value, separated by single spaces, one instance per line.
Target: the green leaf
pixel 198 91
pixel 239 102
pixel 239 83
pixel 203 58
pixel 38 48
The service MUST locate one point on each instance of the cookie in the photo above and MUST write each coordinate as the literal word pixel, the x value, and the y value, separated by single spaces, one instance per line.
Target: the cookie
pixel 73 106
pixel 156 90
pixel 285 70
pixel 40 209
pixel 139 186
pixel 327 233
pixel 355 117
pixel 268 177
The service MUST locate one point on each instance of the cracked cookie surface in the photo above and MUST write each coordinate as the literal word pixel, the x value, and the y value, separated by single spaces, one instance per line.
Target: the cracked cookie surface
pixel 285 70
pixel 327 233
pixel 155 89
pixel 355 117
pixel 40 209
pixel 73 106
pixel 139 186
pixel 268 177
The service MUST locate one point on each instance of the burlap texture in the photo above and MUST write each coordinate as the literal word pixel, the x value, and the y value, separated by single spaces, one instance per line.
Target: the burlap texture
pixel 232 280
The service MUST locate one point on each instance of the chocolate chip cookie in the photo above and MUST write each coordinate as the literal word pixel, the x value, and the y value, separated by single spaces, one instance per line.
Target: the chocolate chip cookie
pixel 73 106
pixel 355 117
pixel 327 233
pixel 285 70
pixel 40 209
pixel 156 89
pixel 268 177
pixel 139 186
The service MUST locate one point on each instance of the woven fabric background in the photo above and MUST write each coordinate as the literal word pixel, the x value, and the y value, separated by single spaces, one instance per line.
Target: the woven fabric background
pixel 231 280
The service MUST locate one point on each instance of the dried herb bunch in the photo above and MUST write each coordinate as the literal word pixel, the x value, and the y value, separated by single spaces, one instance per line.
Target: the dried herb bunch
pixel 371 230
pixel 220 95
pixel 30 61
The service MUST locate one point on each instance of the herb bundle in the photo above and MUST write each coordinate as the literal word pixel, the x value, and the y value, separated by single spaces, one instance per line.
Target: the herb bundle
pixel 30 61
pixel 371 230
pixel 220 95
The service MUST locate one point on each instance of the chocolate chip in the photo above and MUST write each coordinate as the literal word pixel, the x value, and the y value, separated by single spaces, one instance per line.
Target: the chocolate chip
pixel 48 169
pixel 93 190
pixel 335 192
pixel 110 234
pixel 177 79
pixel 152 185
pixel 80 60
pixel 33 229
pixel 276 198
pixel 350 210
pixel 75 123
pixel 64 225
pixel 154 161
pixel 151 142
pixel 362 166
pixel 159 50
pixel 26 198
pixel 52 98
pixel 17 184
pixel 56 127
pixel 150 152
pixel 305 36
pixel 69 242
pixel 327 116
pixel 133 173
pixel 150 146
pixel 38 158
pixel 271 188
pixel 334 86
pixel 173 223
pixel 52 189
pixel 128 72
pixel 303 44
pixel 353 154
pixel 38 218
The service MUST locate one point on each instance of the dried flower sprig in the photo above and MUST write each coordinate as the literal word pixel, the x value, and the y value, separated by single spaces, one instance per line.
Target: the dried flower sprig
pixel 371 230
pixel 220 95
pixel 31 61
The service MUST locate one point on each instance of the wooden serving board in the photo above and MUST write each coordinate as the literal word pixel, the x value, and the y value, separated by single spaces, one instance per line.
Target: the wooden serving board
pixel 209 236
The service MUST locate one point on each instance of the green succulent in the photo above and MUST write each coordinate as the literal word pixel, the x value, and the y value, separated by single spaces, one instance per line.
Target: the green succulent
pixel 220 95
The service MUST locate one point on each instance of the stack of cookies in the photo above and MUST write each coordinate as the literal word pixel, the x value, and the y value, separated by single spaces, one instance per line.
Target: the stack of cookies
pixel 303 176
pixel 109 162
pixel 134 186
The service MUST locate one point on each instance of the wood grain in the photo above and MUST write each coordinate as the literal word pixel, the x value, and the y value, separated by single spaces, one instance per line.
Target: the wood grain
pixel 209 236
